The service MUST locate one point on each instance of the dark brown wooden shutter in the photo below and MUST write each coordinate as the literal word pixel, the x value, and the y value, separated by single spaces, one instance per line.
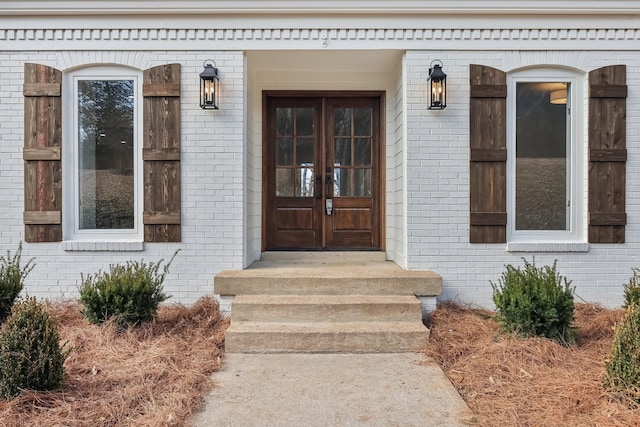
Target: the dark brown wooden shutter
pixel 488 155
pixel 42 153
pixel 607 154
pixel 161 153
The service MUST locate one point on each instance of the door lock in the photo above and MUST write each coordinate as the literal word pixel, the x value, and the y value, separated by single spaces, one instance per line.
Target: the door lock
pixel 328 204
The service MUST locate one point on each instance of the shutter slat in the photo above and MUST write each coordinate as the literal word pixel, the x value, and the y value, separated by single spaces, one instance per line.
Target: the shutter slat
pixel 42 89
pixel 607 154
pixel 156 218
pixel 161 89
pixel 488 91
pixel 41 152
pixel 607 218
pixel 488 218
pixel 42 217
pixel 161 154
pixel 608 91
pixel 488 155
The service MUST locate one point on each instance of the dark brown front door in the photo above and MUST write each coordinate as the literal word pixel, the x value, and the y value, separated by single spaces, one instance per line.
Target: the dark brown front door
pixel 322 171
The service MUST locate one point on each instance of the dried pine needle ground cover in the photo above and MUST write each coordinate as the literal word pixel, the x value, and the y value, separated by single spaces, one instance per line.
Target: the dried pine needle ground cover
pixel 509 381
pixel 153 375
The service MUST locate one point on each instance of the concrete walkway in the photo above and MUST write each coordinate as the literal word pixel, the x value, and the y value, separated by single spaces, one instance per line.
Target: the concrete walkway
pixel 399 389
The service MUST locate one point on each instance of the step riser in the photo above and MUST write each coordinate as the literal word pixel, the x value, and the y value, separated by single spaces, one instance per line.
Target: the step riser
pixel 318 286
pixel 327 312
pixel 336 302
pixel 365 342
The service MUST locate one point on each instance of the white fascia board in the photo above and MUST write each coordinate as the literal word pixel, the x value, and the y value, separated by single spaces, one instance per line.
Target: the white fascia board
pixel 345 7
pixel 311 22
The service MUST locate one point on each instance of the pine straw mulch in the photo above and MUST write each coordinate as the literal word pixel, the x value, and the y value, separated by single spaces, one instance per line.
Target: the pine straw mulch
pixel 509 381
pixel 152 375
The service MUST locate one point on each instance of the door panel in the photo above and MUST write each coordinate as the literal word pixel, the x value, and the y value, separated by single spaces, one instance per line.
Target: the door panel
pixel 320 150
pixel 292 215
pixel 353 152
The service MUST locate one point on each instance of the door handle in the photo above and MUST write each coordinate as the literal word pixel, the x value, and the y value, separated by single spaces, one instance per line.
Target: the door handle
pixel 319 187
pixel 328 180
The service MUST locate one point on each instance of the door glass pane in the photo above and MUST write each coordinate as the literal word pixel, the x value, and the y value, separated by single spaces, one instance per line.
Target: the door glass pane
pixel 362 121
pixel 362 151
pixel 284 182
pixel 541 156
pixel 362 183
pixel 341 182
pixel 304 151
pixel 284 124
pixel 342 121
pixel 304 122
pixel 284 151
pixel 304 182
pixel 342 152
pixel 295 146
pixel 106 154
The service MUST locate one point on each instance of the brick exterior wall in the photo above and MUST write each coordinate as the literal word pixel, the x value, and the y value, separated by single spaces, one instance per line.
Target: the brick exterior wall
pixel 213 157
pixel 438 185
pixel 426 166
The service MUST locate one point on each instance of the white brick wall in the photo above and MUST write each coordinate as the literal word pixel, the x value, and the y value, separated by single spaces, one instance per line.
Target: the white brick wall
pixel 427 174
pixel 395 179
pixel 212 178
pixel 438 184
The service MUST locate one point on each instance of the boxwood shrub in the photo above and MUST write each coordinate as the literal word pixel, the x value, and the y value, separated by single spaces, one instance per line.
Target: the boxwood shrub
pixel 31 357
pixel 12 275
pixel 534 301
pixel 127 294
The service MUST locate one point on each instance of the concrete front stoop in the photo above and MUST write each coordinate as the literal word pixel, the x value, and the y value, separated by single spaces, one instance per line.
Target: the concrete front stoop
pixel 326 302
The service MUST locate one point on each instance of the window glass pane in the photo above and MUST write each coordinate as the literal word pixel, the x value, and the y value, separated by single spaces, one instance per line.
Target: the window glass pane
pixel 284 182
pixel 304 122
pixel 284 151
pixel 284 124
pixel 342 121
pixel 106 154
pixel 541 157
pixel 342 152
pixel 362 121
pixel 304 151
pixel 362 151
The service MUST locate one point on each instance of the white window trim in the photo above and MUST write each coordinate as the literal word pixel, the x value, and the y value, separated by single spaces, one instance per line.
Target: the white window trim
pixel 577 165
pixel 70 175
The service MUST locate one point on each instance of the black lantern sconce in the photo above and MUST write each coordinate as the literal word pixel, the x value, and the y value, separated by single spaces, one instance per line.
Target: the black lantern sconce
pixel 437 86
pixel 209 86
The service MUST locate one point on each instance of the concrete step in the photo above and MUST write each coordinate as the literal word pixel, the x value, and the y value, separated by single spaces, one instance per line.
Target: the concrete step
pixel 325 337
pixel 330 278
pixel 326 308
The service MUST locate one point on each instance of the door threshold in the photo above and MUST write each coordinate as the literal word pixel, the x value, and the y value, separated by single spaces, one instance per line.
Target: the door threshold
pixel 325 256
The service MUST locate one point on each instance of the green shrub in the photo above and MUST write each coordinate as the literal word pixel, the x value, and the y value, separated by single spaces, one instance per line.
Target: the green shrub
pixel 622 373
pixel 129 294
pixel 632 289
pixel 12 276
pixel 535 302
pixel 30 353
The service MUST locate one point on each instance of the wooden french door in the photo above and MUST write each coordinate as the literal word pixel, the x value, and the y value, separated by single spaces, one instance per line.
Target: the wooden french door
pixel 322 186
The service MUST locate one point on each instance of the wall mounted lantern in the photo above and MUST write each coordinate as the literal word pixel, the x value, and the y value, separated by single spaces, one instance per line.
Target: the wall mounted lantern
pixel 437 86
pixel 209 86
